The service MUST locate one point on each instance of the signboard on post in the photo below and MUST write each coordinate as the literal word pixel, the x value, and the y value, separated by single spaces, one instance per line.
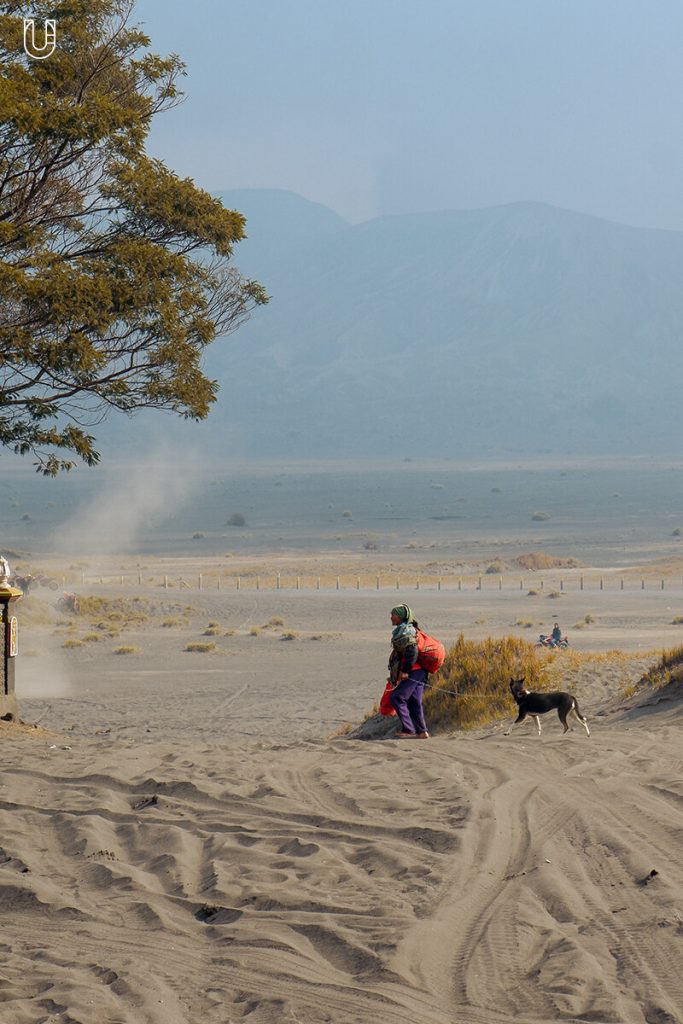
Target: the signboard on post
pixel 13 638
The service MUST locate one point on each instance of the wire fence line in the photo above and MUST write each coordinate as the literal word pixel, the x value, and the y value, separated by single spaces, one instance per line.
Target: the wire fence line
pixel 547 585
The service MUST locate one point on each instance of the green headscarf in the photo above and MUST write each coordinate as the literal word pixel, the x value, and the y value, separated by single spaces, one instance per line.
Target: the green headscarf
pixel 403 612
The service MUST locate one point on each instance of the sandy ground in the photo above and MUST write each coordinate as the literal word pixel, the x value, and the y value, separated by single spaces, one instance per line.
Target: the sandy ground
pixel 184 839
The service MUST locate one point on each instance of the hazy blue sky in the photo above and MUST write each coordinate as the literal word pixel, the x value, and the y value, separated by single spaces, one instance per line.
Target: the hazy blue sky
pixel 388 106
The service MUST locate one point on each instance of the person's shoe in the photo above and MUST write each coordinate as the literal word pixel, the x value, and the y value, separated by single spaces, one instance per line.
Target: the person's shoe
pixel 405 735
pixel 423 735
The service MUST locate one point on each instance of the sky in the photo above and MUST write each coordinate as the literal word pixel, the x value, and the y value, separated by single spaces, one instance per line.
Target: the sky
pixel 393 106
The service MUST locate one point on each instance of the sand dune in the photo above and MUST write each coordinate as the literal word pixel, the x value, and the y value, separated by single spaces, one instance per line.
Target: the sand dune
pixel 481 879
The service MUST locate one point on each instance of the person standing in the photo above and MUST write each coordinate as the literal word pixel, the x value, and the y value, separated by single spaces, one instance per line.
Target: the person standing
pixel 406 675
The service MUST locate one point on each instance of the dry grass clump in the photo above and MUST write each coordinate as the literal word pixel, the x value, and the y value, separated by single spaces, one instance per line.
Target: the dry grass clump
pixel 495 568
pixel 170 623
pixel 525 623
pixel 199 647
pixel 540 517
pixel 126 650
pixel 677 620
pixel 212 631
pixel 121 610
pixel 539 560
pixel 255 631
pixel 35 612
pixel 73 643
pixel 480 671
pixel 275 621
pixel 669 669
pixel 290 635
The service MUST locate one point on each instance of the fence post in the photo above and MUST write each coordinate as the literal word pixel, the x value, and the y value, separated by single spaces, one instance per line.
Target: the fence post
pixel 165 582
pixel 561 584
pixel 239 582
pixel 438 586
pixel 378 582
pixel 459 582
pixel 542 584
pixel 357 582
pixel 258 582
pixel 417 584
pixel 479 584
pixel 298 583
pixel 581 583
pixel 500 582
pixel 521 583
pixel 601 583
pixel 199 582
pixel 277 582
pixel 337 583
pixel 218 583
pixel 622 582
pixel 662 584
pixel 398 582
pixel 139 579
pixel 317 583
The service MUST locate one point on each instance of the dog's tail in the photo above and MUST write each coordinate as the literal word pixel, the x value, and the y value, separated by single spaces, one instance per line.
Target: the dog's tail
pixel 580 717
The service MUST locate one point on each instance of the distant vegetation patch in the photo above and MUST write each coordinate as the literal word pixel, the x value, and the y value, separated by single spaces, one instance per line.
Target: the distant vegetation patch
pixel 495 568
pixel 200 647
pixel 540 517
pixel 126 650
pixel 539 560
pixel 236 519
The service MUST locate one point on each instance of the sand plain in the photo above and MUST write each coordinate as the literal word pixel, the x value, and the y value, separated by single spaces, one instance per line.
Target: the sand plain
pixel 185 840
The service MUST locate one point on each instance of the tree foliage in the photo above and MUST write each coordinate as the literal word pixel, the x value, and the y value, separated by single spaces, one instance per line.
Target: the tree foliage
pixel 114 271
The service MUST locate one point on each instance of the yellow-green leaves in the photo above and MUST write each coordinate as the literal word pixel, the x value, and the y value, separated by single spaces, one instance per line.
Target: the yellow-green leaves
pixel 114 271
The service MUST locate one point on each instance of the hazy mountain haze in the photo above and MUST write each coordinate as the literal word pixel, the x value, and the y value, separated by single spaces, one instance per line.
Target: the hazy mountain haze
pixel 516 328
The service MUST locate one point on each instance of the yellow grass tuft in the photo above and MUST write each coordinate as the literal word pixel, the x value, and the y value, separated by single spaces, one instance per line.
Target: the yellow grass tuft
pixel 480 671
pixel 197 647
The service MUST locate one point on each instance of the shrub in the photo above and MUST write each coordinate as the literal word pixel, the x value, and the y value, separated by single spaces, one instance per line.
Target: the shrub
pixel 275 621
pixel 290 635
pixel 677 620
pixel 677 532
pixel 212 631
pixel 495 567
pixel 669 669
pixel 526 623
pixel 198 536
pixel 126 650
pixel 72 643
pixel 554 594
pixel 540 517
pixel 480 672
pixel 255 631
pixel 347 514
pixel 236 519
pixel 370 545
pixel 197 647
pixel 169 623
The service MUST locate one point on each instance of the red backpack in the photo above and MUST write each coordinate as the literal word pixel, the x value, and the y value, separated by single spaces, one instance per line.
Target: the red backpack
pixel 430 652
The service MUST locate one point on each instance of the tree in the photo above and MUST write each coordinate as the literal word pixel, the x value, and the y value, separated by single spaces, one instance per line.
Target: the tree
pixel 114 271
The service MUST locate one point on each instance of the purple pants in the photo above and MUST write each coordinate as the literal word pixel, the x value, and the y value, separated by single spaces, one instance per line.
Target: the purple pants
pixel 407 699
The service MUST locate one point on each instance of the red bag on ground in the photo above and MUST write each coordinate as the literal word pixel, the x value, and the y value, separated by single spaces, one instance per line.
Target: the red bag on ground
pixel 385 705
pixel 430 652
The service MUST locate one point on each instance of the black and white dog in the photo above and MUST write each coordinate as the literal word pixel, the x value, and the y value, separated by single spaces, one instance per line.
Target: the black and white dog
pixel 535 704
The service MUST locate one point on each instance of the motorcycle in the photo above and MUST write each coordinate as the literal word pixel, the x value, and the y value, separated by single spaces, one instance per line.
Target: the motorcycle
pixel 547 641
